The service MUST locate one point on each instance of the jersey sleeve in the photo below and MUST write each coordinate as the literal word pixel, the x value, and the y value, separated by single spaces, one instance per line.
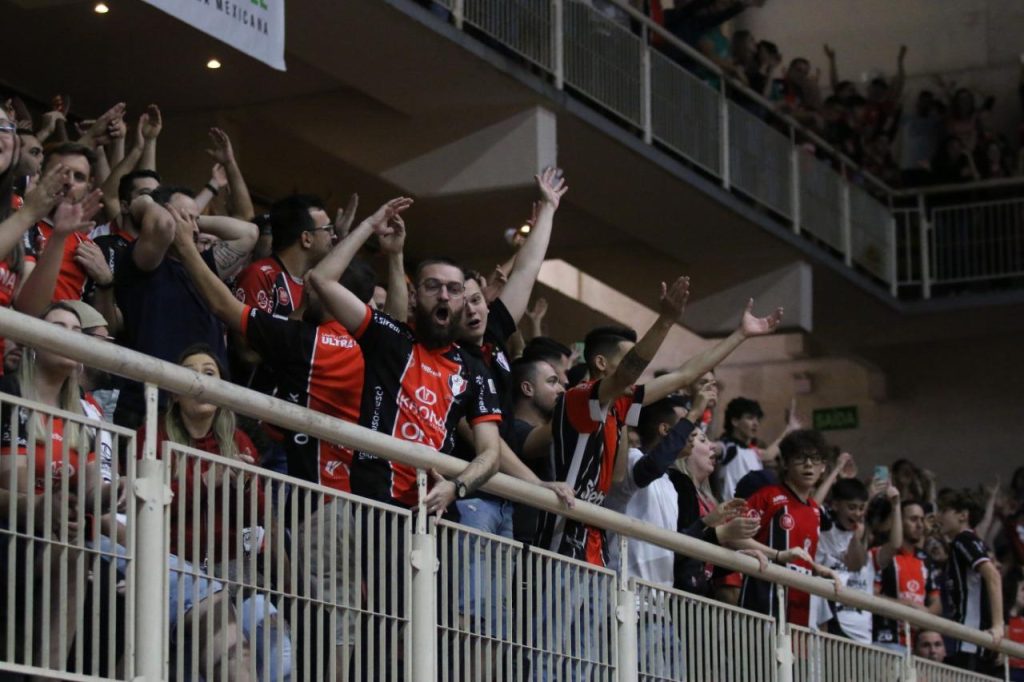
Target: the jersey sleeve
pixel 484 406
pixel 30 242
pixel 761 503
pixel 273 338
pixel 253 287
pixel 971 548
pixel 582 408
pixel 500 324
pixel 379 332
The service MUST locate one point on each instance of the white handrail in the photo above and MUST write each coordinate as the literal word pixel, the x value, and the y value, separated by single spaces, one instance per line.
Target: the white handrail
pixel 133 365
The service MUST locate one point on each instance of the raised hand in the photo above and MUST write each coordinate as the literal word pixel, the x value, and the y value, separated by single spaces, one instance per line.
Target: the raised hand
pixel 46 192
pixel 98 130
pixel 381 219
pixel 151 123
pixel 392 242
pixel 673 298
pixel 538 311
pixel 71 217
pixel 184 229
pixel 495 284
pixel 90 258
pixel 552 185
pixel 830 51
pixel 221 152
pixel 793 421
pixel 846 465
pixel 345 217
pixel 218 176
pixel 759 326
pixel 707 397
pixel 903 53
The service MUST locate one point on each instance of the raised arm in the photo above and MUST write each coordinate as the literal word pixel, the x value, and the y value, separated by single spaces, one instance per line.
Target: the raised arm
pixel 896 88
pixel 689 371
pixel 655 463
pixel 112 203
pixel 392 245
pixel 37 292
pixel 217 182
pixel 218 297
pixel 342 304
pixel 633 364
pixel 833 71
pixel 888 551
pixel 156 232
pixel 39 201
pixel 151 123
pixel 237 240
pixel 223 153
pixel 842 469
pixel 793 423
pixel 516 294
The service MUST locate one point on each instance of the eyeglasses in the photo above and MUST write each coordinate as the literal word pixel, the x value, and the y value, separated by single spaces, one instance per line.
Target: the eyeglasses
pixel 814 458
pixel 329 229
pixel 8 127
pixel 434 286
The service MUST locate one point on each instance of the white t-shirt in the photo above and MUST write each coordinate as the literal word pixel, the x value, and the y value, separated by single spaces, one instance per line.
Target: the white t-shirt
pixel 656 504
pixel 855 623
pixel 737 462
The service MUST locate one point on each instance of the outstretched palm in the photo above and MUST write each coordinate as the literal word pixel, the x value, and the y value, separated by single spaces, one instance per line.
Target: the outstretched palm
pixel 759 326
pixel 552 185
pixel 381 220
pixel 392 241
pixel 673 298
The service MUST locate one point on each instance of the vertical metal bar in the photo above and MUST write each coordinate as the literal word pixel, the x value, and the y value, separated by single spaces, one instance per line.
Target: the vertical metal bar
pixel 458 13
pixel 626 615
pixel 794 187
pixel 423 563
pixel 558 41
pixel 892 262
pixel 924 227
pixel 784 650
pixel 845 218
pixel 724 134
pixel 152 496
pixel 646 93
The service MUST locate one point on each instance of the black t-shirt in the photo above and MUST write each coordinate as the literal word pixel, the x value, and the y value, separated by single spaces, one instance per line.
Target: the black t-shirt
pixel 417 394
pixel 163 315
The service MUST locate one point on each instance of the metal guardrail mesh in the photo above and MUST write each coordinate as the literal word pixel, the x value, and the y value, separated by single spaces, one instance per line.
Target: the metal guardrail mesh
pixel 820 201
pixel 524 26
pixel 66 591
pixel 870 231
pixel 819 656
pixel 982 241
pixel 759 160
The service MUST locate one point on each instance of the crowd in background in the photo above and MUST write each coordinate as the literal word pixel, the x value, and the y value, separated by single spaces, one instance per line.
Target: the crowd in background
pixel 319 311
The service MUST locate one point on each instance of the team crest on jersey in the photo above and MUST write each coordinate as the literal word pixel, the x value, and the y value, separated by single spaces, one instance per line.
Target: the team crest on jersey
pixel 261 299
pixel 282 297
pixel 457 384
pixel 787 522
pixel 913 586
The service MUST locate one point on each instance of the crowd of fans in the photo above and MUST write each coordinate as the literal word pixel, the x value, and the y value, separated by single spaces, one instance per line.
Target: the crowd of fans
pixel 946 136
pixel 320 312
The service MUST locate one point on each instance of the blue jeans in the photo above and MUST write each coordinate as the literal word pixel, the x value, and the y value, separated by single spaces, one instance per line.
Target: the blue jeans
pixel 489 569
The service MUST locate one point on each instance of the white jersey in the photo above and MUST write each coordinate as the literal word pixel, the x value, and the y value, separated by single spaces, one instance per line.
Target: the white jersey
pixel 737 462
pixel 656 504
pixel 853 623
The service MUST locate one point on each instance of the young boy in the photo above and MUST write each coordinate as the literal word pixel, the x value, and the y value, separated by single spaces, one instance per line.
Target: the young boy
pixel 844 549
pixel 977 588
pixel 790 523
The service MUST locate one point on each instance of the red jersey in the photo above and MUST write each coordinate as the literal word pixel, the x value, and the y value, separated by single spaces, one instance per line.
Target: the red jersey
pixel 585 440
pixel 188 515
pixel 787 522
pixel 908 578
pixel 417 394
pixel 319 367
pixel 71 279
pixel 267 285
pixel 1015 633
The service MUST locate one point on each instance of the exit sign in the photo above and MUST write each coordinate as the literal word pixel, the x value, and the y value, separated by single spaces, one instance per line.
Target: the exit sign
pixel 835 418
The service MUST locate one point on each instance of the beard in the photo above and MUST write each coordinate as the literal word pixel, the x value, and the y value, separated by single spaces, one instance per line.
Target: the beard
pixel 433 333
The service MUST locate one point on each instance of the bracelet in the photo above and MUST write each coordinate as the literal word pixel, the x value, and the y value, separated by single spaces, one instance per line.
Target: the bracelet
pixel 210 186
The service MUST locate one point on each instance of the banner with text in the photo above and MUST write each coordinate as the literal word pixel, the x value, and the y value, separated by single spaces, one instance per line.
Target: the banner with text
pixel 256 27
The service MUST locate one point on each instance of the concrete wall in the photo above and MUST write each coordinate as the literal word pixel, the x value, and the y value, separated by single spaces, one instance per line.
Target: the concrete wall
pixel 974 42
pixel 952 407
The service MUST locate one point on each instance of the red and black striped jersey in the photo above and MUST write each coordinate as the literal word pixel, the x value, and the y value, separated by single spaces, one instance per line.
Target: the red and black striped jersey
pixel 787 522
pixel 417 394
pixel 585 439
pixel 319 367
pixel 908 578
pixel 267 285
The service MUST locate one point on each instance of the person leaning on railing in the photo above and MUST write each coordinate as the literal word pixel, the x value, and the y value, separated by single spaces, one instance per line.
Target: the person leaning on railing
pixel 47 450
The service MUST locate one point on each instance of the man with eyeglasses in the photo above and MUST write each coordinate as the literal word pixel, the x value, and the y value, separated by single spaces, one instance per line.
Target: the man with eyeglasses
pixel 791 521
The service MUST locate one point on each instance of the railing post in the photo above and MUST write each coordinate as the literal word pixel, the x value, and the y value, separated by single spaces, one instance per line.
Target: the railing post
pixel 909 669
pixel 924 235
pixel 894 258
pixel 152 496
pixel 458 12
pixel 646 93
pixel 784 645
pixel 794 187
pixel 423 615
pixel 558 42
pixel 626 620
pixel 845 226
pixel 723 129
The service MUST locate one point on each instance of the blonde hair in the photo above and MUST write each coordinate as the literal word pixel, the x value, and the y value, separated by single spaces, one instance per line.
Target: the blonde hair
pixel 703 489
pixel 223 420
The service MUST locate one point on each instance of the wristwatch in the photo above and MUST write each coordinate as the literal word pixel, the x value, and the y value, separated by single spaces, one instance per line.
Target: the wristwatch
pixel 461 489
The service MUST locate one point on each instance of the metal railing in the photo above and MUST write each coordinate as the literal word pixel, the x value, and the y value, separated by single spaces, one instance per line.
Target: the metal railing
pixel 234 572
pixel 674 97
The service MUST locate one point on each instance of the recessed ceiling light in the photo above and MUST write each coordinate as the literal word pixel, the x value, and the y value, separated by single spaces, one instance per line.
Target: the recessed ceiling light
pixel 101 8
pixel 213 64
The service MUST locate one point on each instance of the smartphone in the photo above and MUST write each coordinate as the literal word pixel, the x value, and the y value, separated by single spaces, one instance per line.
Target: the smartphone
pixel 882 472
